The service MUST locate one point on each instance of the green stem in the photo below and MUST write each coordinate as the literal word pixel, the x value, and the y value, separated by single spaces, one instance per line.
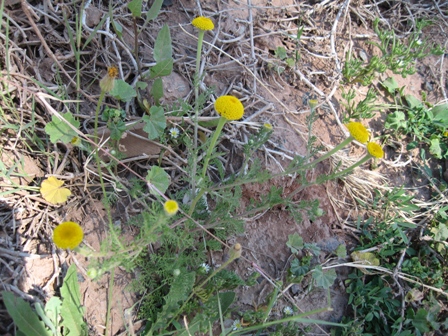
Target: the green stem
pixel 110 292
pixel 195 201
pixel 216 134
pixel 137 59
pixel 100 171
pixel 349 169
pixel 97 113
pixel 328 154
pixel 331 176
pixel 197 77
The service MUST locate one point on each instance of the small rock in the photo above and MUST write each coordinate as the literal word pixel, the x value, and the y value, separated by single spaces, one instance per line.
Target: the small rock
pixel 93 16
pixel 363 55
pixel 295 289
pixel 175 87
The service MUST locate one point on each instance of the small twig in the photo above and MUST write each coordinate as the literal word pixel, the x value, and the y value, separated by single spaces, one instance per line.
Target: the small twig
pixel 333 33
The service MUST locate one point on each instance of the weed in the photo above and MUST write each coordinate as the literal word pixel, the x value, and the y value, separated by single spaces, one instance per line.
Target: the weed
pixel 186 216
pixel 398 56
pixel 363 110
pixel 59 315
pixel 423 124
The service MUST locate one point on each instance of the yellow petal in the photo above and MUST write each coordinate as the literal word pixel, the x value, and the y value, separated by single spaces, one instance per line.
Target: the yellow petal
pixel 52 191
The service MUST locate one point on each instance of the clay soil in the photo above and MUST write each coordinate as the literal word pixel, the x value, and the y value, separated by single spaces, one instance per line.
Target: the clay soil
pixel 243 63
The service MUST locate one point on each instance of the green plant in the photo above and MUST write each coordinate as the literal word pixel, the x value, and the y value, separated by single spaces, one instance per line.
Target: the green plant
pixel 363 110
pixel 384 303
pixel 281 53
pixel 398 56
pixel 412 118
pixel 194 206
pixel 60 316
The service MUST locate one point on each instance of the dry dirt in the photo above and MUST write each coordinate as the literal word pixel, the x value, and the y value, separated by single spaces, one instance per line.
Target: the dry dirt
pixel 32 267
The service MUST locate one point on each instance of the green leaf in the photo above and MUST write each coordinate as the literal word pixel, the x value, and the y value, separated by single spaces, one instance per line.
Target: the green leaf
pixel 59 130
pixel 298 268
pixel 123 91
pixel 324 279
pixel 162 68
pixel 391 85
pixel 159 178
pixel 295 243
pixel 280 53
pixel 412 101
pixel 341 251
pixel 116 129
pixel 141 85
pixel 290 62
pixel 23 316
pixel 162 47
pixel 135 6
pixel 72 311
pixel 53 310
pixel 157 90
pixel 441 232
pixel 43 316
pixel 313 248
pixel 412 145
pixel 154 10
pixel 396 121
pixel 155 122
pixel 420 322
pixel 435 148
pixel 93 32
pixel 440 113
pixel 367 258
pixel 118 28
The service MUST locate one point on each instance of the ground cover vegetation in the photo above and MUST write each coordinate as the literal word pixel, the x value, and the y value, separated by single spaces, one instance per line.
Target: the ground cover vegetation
pixel 89 133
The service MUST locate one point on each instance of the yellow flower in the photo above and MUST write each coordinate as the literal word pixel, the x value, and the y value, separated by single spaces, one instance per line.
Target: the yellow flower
pixel 112 71
pixel 268 126
pixel 358 131
pixel 52 192
pixel 312 103
pixel 375 150
pixel 203 23
pixel 68 235
pixel 235 251
pixel 171 207
pixel 108 82
pixel 229 107
pixel 76 141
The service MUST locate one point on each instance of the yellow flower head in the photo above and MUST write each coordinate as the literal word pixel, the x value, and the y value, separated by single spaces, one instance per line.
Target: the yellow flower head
pixel 312 103
pixel 171 207
pixel 235 251
pixel 268 126
pixel 112 71
pixel 76 141
pixel 375 150
pixel 203 23
pixel 108 82
pixel 229 107
pixel 68 235
pixel 358 131
pixel 53 192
